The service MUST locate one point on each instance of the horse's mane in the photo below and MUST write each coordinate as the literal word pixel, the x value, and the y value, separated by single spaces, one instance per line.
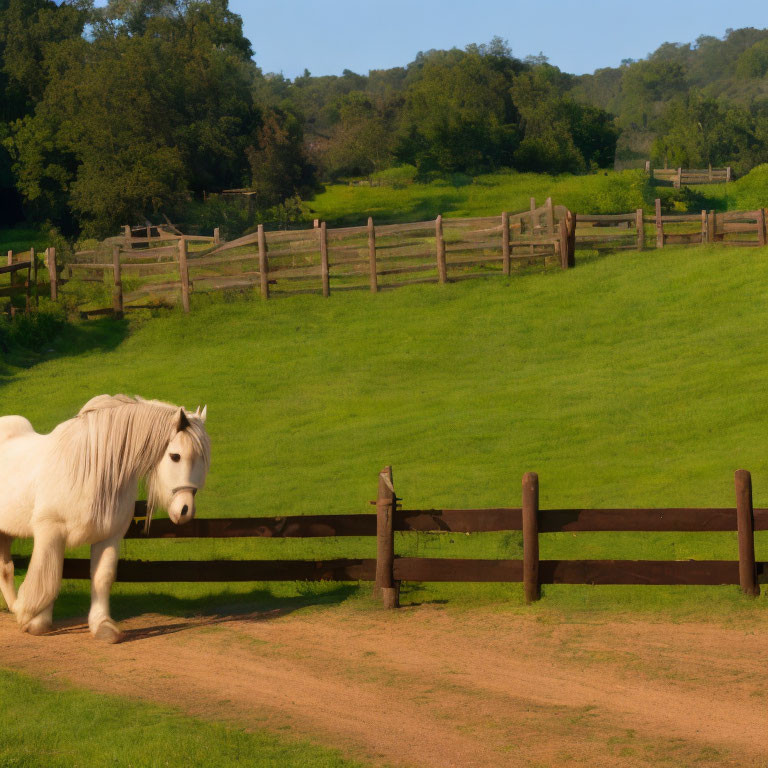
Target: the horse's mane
pixel 114 439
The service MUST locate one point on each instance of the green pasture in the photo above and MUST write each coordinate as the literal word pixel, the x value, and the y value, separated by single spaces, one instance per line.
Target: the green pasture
pixel 57 727
pixel 636 379
pixel 487 195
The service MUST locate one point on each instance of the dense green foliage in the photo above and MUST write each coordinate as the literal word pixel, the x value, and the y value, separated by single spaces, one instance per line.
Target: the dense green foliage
pixel 125 111
pixel 690 104
pixel 139 110
pixel 46 727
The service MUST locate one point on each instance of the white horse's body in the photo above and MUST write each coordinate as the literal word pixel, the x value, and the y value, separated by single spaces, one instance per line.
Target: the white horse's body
pixel 78 485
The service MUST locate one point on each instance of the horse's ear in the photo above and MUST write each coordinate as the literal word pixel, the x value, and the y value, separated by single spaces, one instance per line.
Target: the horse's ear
pixel 183 421
pixel 204 413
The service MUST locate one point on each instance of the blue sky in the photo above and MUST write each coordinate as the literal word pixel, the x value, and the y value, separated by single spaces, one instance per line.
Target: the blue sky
pixel 327 36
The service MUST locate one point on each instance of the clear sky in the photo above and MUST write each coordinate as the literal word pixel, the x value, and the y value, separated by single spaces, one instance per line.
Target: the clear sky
pixel 328 36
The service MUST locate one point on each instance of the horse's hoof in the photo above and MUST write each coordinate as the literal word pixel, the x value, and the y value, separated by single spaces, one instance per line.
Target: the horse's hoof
pixel 108 632
pixel 38 627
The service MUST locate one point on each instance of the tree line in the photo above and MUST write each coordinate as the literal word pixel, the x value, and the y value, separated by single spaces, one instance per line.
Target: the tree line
pixel 140 108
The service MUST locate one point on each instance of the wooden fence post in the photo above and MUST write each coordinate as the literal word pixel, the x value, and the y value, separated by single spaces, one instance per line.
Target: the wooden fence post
pixel 117 291
pixel 640 227
pixel 728 174
pixel 263 263
pixel 386 502
pixel 711 227
pixel 659 225
pixel 28 285
pixel 184 274
pixel 563 233
pixel 11 279
pixel 570 221
pixel 442 271
pixel 324 260
pixel 372 255
pixel 33 259
pixel 550 214
pixel 760 226
pixel 532 248
pixel 531 537
pixel 746 527
pixel 703 227
pixel 53 276
pixel 128 236
pixel 505 243
pixel 679 178
pixel 216 236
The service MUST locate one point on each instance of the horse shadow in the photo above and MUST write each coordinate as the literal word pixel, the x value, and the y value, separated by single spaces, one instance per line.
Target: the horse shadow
pixel 104 335
pixel 180 614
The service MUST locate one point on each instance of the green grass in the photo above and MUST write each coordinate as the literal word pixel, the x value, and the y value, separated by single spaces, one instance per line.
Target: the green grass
pixel 488 195
pixel 636 379
pixel 45 727
pixel 22 238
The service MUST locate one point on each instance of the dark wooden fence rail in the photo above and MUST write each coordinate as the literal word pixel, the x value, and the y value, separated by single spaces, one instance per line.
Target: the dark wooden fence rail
pixel 387 570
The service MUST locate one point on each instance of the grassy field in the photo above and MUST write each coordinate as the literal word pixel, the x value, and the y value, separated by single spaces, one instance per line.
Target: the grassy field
pixel 603 192
pixel 634 380
pixel 45 727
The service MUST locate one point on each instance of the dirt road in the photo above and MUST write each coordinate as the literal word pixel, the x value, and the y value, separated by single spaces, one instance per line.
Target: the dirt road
pixel 431 686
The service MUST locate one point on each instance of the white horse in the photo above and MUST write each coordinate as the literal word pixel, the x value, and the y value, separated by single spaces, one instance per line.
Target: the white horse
pixel 78 485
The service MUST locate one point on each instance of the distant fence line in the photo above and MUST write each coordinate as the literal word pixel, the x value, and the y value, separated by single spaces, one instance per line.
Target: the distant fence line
pixel 388 570
pixel 373 257
pixel 677 177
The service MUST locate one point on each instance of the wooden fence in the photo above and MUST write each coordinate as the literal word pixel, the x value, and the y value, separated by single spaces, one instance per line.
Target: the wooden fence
pixel 678 177
pixel 730 228
pixel 322 259
pixel 388 570
pixel 26 289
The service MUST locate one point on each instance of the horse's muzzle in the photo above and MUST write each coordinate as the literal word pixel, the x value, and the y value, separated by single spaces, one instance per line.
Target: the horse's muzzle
pixel 182 507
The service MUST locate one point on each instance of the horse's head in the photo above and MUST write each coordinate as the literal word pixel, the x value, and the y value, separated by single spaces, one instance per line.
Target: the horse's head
pixel 181 472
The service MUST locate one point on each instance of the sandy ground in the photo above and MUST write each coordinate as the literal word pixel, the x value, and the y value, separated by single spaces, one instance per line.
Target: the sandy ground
pixel 431 686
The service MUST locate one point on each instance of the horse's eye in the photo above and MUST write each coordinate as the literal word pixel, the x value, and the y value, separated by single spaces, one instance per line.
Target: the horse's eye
pixel 175 457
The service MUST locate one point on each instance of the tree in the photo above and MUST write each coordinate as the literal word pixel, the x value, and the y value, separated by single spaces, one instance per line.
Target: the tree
pixel 458 113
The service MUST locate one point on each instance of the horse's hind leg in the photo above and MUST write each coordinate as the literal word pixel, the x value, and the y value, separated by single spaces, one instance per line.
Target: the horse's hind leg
pixel 7 586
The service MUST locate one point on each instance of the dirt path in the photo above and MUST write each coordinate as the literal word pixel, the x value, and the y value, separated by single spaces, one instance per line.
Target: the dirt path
pixel 426 686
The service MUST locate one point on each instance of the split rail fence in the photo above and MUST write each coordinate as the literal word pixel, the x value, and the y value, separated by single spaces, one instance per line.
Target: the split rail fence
pixel 23 289
pixel 388 570
pixel 324 260
pixel 678 177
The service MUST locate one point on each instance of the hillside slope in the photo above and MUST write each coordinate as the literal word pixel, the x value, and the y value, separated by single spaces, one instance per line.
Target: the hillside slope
pixel 636 379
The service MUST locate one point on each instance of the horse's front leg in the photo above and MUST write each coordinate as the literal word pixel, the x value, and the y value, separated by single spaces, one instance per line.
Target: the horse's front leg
pixel 34 604
pixel 104 557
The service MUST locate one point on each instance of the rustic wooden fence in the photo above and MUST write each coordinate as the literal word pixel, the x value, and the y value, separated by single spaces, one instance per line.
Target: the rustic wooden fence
pixel 388 570
pixel 24 289
pixel 324 260
pixel 678 177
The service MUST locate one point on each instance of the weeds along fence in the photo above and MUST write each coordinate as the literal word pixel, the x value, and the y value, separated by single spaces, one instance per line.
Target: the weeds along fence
pixel 387 571
pixel 324 260
pixel 678 177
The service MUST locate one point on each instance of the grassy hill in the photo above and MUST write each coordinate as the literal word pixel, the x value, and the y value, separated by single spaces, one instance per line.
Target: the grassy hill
pixel 636 379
